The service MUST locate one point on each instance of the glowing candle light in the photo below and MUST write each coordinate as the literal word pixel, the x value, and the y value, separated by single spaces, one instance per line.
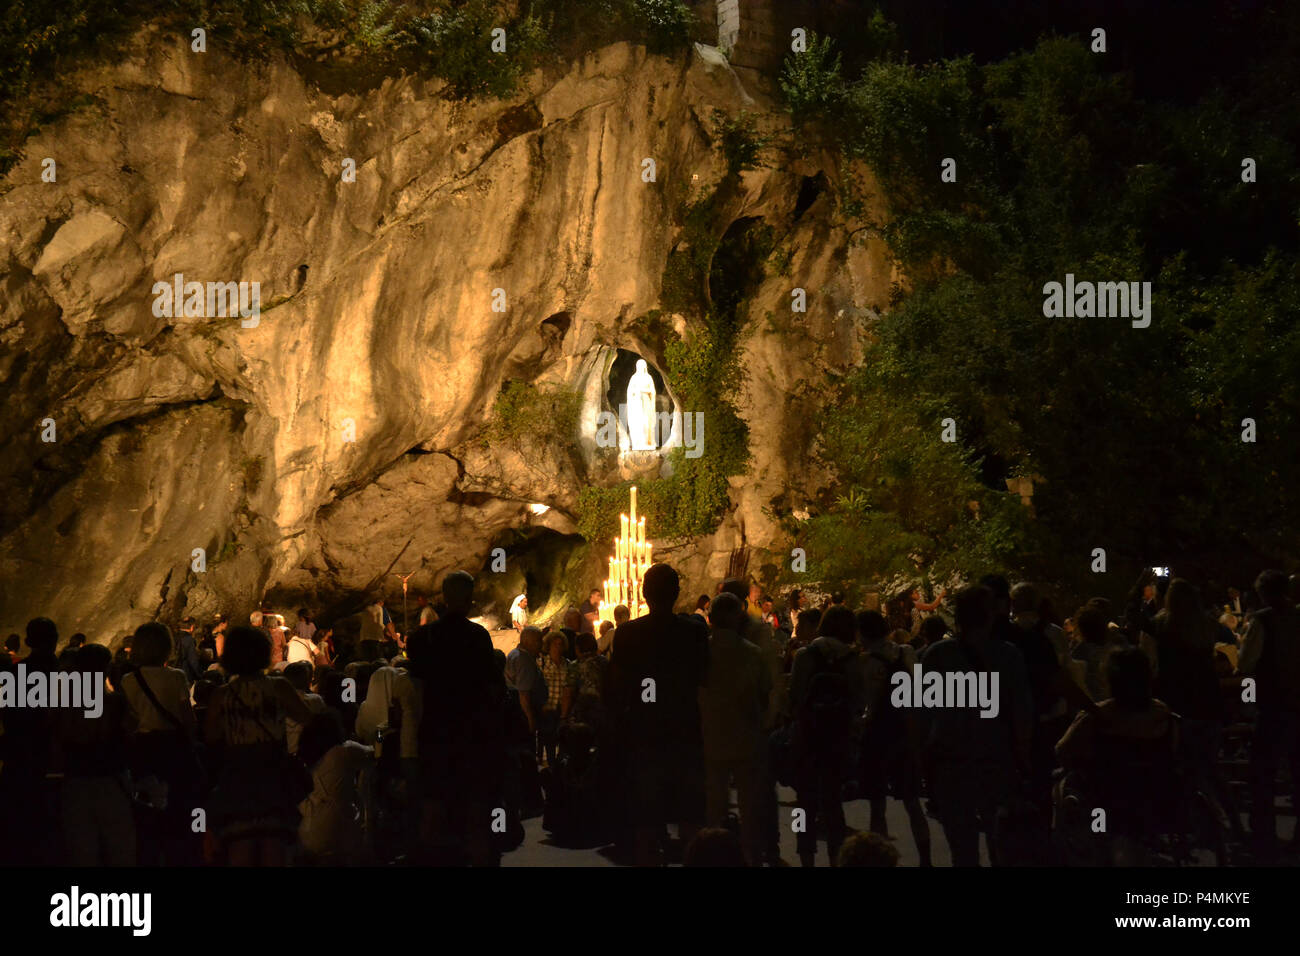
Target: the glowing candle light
pixel 628 565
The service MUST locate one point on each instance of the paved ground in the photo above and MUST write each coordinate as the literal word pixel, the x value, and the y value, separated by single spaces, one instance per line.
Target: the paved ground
pixel 536 850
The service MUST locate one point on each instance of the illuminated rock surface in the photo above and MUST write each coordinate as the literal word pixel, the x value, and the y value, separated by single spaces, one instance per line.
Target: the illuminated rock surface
pixel 192 432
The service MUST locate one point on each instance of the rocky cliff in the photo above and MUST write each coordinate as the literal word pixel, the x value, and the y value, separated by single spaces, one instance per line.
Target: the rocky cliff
pixel 192 432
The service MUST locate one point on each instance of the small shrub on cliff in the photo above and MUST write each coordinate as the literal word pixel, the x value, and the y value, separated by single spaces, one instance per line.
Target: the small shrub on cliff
pixel 457 44
pixel 811 82
pixel 665 24
pixel 535 414
pixel 740 141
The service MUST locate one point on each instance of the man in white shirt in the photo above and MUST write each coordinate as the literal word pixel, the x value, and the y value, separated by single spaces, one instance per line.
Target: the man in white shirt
pixel 302 650
pixel 372 621
pixel 427 613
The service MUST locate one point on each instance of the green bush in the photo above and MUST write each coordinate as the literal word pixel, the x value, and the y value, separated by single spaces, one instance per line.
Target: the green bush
pixel 457 46
pixel 685 286
pixel 810 81
pixel 665 24
pixel 740 141
pixel 525 414
pixel 687 504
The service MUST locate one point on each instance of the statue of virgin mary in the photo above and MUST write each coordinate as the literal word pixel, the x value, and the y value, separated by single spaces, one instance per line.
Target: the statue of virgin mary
pixel 641 419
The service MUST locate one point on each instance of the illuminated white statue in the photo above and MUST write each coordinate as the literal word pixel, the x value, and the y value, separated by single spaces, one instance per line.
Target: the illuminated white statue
pixel 641 409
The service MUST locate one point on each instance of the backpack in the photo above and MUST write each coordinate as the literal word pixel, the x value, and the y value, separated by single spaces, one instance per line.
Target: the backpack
pixel 829 722
pixel 1041 664
pixel 883 719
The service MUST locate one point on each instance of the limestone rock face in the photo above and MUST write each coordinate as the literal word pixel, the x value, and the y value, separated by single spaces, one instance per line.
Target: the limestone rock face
pixel 338 441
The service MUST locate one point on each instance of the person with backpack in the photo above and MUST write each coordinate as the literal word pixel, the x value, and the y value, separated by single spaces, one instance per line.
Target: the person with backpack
pixel 890 761
pixel 975 764
pixel 1270 652
pixel 826 697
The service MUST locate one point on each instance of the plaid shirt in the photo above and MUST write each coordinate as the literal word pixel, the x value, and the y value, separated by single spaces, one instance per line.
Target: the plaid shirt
pixel 557 677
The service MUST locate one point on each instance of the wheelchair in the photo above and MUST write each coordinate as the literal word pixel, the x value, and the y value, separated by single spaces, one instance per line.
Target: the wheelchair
pixel 1153 815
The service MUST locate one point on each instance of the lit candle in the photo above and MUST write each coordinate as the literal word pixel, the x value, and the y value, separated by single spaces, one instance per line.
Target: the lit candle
pixel 633 507
pixel 623 523
pixel 641 531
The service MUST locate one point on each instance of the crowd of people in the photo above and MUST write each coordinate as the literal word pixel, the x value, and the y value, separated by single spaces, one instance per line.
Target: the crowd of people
pixel 259 744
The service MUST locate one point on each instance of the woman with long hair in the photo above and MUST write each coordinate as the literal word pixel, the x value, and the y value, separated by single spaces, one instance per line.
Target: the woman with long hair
pixel 254 805
pixel 1182 655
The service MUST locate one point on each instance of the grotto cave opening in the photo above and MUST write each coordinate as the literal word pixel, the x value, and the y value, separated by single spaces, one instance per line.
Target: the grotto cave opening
pixel 539 562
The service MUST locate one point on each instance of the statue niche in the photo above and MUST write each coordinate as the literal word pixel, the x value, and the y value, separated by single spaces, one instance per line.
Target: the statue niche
pixel 642 420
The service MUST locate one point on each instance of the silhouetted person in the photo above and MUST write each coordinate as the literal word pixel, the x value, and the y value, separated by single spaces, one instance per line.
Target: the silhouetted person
pixel 187 652
pixel 733 706
pixel 702 608
pixel 461 736
pixel 658 665
pixel 974 764
pixel 891 762
pixel 67 656
pixel 772 650
pixel 826 695
pixel 1181 648
pixel 1122 758
pixel 574 624
pixel 98 827
pixel 1270 652
pixel 254 805
pixel 162 747
pixel 28 798
pixel 1031 635
pixel 42 639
